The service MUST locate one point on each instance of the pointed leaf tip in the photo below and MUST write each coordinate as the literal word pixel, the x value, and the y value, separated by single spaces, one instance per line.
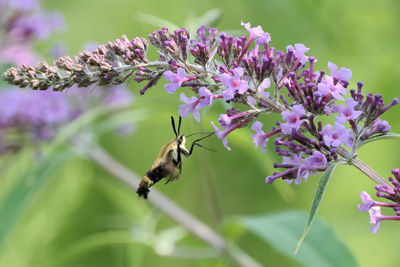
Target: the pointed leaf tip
pixel 319 193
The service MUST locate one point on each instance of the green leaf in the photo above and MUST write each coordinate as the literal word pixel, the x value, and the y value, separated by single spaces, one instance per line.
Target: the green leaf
pixel 322 248
pixel 22 192
pixel 319 194
pixel 30 182
pixel 155 21
pixel 210 18
pixel 379 137
pixel 128 117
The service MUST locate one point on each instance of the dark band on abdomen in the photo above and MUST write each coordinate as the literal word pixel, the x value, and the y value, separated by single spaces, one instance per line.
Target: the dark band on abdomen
pixel 156 174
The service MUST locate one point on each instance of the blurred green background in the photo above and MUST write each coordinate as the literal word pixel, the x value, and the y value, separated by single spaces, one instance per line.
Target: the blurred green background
pixel 64 222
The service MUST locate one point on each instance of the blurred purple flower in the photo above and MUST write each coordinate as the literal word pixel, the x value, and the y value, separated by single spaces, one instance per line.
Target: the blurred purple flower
pixel 59 49
pixel 117 94
pixel 38 25
pixel 17 54
pixel 21 5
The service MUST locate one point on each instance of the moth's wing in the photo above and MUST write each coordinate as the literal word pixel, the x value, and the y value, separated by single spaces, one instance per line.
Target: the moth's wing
pixel 175 174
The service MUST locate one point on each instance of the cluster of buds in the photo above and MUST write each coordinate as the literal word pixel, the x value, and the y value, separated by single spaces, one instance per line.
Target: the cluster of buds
pixel 259 79
pixel 108 64
pixel 374 207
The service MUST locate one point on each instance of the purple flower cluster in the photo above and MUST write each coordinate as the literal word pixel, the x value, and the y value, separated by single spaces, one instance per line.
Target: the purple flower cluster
pixel 23 21
pixel 262 78
pixel 374 207
pixel 29 116
pixel 258 77
pixel 248 72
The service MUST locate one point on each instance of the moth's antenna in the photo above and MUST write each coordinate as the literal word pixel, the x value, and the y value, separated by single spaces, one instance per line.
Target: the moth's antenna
pixel 179 125
pixel 197 144
pixel 196 133
pixel 173 125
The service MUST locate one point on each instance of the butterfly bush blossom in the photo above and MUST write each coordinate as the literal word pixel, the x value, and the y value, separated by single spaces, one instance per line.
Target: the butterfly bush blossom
pixel 28 117
pixel 374 207
pixel 24 21
pixel 32 118
pixel 253 76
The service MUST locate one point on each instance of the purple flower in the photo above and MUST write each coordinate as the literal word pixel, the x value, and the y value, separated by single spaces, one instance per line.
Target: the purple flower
pixel 293 119
pixel 22 5
pixel 336 136
pixel 347 112
pixel 254 32
pixel 31 114
pixel 39 25
pixel 316 161
pixel 206 97
pixel 382 126
pixel 118 94
pixel 328 88
pixel 374 207
pixel 260 138
pixel 233 83
pixel 251 100
pixel 296 160
pixel 189 106
pixel 17 54
pixel 264 85
pixel 20 107
pixel 327 110
pixel 366 198
pixel 343 74
pixel 175 79
pixel 226 120
pixel 264 40
pixel 378 126
pixel 194 104
pixel 299 52
pixel 375 218
pixel 222 135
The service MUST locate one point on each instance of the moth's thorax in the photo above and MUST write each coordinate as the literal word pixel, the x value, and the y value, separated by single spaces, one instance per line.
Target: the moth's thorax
pixel 181 141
